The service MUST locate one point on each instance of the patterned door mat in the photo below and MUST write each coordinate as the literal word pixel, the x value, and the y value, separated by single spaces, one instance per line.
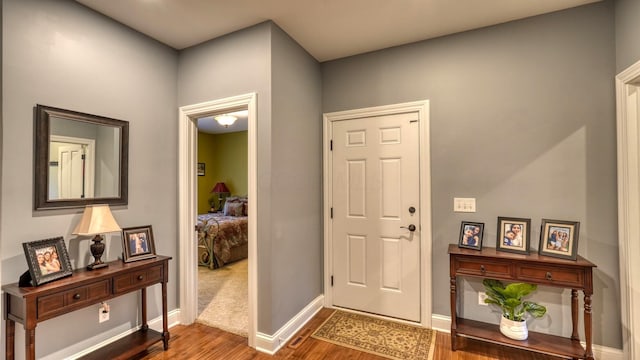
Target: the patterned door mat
pixel 376 336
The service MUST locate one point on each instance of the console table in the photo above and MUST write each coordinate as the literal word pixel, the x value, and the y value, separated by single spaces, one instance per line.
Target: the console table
pixel 31 305
pixel 531 268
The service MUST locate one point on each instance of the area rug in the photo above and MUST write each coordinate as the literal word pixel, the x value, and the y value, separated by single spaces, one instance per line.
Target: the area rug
pixel 384 338
pixel 223 297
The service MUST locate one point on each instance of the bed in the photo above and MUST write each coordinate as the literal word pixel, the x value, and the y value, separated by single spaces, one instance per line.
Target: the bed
pixel 222 239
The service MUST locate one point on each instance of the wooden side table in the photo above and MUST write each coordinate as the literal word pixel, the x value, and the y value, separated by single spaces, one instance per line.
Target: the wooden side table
pixel 531 268
pixel 31 305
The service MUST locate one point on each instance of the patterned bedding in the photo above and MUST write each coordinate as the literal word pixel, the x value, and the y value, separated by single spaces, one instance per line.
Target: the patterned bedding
pixel 225 237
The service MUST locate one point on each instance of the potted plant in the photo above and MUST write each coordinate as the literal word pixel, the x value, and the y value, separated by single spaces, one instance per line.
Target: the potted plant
pixel 509 299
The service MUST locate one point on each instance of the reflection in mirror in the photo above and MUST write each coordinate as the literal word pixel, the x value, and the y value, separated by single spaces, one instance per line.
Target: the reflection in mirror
pixel 80 159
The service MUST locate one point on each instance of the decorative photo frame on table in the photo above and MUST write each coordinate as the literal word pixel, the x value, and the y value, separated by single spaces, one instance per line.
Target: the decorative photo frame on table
pixel 513 235
pixel 471 235
pixel 138 243
pixel 48 260
pixel 559 238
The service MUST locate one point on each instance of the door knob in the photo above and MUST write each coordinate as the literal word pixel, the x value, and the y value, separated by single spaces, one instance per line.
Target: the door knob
pixel 411 227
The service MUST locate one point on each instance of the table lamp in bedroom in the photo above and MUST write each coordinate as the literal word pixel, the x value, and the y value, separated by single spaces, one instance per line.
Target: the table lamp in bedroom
pixel 221 191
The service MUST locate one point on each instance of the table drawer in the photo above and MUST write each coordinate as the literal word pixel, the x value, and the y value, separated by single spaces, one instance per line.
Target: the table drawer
pixel 484 268
pixel 552 276
pixel 136 279
pixel 64 301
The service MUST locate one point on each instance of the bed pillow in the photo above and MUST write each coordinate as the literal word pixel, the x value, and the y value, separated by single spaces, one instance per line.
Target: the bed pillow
pixel 233 209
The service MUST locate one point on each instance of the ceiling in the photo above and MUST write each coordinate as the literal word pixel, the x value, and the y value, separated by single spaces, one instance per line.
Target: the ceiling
pixel 327 29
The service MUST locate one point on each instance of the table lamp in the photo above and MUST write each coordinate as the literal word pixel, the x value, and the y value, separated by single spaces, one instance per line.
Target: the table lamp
pixel 96 220
pixel 220 189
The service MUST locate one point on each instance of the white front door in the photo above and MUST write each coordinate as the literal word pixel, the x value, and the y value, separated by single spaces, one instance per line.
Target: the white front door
pixel 375 186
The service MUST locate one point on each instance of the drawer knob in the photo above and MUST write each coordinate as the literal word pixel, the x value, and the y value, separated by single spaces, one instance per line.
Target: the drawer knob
pixel 140 277
pixel 76 296
pixel 482 269
pixel 548 276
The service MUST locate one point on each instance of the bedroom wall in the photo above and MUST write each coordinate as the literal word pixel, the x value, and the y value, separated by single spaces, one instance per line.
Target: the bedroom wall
pixel 61 54
pixel 627 20
pixel 522 119
pixel 225 156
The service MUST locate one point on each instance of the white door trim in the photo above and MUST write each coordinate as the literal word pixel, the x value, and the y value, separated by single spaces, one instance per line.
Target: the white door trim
pixel 628 210
pixel 187 159
pixel 422 107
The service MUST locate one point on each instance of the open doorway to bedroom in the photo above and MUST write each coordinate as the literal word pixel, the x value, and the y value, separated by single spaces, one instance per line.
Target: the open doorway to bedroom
pixel 222 223
pixel 188 200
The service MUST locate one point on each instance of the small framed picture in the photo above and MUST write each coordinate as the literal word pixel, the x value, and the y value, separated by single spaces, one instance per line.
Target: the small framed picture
pixel 138 243
pixel 200 169
pixel 513 235
pixel 48 260
pixel 559 238
pixel 471 235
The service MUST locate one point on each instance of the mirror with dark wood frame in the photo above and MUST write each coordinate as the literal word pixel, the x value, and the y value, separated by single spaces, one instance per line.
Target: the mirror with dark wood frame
pixel 80 159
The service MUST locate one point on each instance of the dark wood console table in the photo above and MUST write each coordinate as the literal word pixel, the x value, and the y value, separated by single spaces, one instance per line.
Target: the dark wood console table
pixel 532 268
pixel 31 305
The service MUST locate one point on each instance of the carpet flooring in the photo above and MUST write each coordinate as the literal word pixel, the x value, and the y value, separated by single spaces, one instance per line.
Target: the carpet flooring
pixel 388 339
pixel 223 297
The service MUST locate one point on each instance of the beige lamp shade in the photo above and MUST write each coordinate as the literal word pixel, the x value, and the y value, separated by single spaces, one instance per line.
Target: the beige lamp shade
pixel 96 219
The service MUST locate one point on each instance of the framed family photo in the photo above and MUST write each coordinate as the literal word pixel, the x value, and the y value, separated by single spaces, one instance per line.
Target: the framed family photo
pixel 201 167
pixel 471 235
pixel 48 260
pixel 513 235
pixel 559 238
pixel 138 243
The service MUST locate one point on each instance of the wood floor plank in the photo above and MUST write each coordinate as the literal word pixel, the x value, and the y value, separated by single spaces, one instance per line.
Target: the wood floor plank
pixel 198 341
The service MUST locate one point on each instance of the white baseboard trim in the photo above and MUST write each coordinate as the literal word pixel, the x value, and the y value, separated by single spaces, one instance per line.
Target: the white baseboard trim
pixel 270 344
pixel 443 323
pixel 83 348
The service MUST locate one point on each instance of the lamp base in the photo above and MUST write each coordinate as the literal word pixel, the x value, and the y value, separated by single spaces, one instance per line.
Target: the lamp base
pixel 97 249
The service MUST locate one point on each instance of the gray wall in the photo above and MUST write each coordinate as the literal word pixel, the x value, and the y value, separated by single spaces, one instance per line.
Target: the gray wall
pixel 627 14
pixel 61 54
pixel 296 185
pixel 523 119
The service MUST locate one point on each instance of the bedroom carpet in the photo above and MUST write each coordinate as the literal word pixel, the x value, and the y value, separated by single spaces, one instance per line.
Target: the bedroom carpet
pixel 222 297
pixel 384 338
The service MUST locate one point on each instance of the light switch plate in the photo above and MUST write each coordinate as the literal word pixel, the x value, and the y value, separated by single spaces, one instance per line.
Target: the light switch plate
pixel 464 204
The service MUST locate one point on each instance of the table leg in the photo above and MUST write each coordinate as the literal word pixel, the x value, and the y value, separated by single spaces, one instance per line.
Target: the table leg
pixel 588 325
pixel 10 339
pixel 574 314
pixel 454 316
pixel 165 319
pixel 145 326
pixel 30 343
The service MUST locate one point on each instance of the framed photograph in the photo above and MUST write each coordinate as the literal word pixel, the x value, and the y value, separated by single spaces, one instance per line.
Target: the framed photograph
pixel 471 235
pixel 137 243
pixel 200 169
pixel 48 260
pixel 559 238
pixel 513 235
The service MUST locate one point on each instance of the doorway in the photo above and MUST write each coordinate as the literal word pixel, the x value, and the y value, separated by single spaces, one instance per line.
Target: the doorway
pixel 187 184
pixel 377 169
pixel 628 124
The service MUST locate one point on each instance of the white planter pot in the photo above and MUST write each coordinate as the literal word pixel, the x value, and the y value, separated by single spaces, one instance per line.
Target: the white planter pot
pixel 516 330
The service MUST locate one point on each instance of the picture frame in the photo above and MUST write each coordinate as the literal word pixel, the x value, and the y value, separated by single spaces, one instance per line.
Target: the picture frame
pixel 201 167
pixel 138 243
pixel 471 234
pixel 559 238
pixel 48 260
pixel 513 235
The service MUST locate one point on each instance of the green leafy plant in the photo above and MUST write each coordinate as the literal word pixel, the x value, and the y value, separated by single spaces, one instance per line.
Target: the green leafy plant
pixel 509 299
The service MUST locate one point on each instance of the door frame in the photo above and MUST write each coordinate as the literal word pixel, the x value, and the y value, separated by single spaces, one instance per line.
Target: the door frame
pixel 422 108
pixel 628 144
pixel 187 191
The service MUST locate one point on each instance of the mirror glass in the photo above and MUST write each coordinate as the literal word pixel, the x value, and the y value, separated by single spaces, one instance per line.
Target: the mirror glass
pixel 80 159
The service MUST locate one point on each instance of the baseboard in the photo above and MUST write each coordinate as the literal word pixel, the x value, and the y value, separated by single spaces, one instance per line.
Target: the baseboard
pixel 85 347
pixel 443 323
pixel 270 344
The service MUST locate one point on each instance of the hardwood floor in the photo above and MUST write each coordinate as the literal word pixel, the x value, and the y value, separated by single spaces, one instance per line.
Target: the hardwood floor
pixel 201 342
